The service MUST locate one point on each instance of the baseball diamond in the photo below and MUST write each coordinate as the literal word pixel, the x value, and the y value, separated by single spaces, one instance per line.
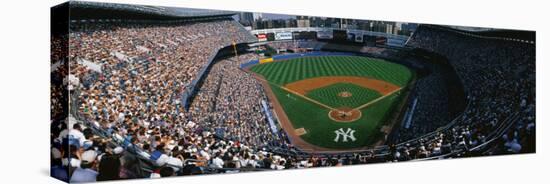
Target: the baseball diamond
pixel 337 102
pixel 343 95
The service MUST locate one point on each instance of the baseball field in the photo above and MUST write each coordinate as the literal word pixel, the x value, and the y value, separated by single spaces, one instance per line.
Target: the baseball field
pixel 334 102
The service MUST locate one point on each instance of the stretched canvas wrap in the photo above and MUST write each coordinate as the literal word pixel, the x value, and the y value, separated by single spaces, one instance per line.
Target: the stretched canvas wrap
pixel 152 92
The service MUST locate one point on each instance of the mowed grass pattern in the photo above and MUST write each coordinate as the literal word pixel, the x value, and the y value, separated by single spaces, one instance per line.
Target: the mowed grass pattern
pixel 313 117
pixel 329 95
pixel 283 72
pixel 320 128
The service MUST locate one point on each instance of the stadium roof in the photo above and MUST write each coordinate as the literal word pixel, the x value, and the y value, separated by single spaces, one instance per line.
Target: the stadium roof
pixel 96 10
pixel 495 32
pixel 472 29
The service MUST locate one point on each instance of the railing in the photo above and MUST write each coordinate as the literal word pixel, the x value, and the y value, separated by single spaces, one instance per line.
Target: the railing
pixel 500 131
pixel 493 136
pixel 191 89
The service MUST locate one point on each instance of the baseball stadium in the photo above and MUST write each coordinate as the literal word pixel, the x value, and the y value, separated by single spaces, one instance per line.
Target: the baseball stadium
pixel 143 91
pixel 315 96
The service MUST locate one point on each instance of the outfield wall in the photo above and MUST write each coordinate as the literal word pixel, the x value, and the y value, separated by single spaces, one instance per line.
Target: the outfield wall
pixel 298 55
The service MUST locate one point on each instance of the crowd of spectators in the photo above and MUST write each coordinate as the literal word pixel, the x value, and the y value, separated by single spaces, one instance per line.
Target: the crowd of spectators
pixel 128 79
pixel 135 95
pixel 58 73
pixel 432 104
pixel 499 80
pixel 230 102
pixel 58 92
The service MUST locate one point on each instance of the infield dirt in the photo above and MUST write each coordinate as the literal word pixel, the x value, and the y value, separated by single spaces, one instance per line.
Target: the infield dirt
pixel 306 85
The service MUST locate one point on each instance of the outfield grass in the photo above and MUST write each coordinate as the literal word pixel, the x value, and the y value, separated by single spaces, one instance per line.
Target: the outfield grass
pixel 284 72
pixel 320 128
pixel 314 118
pixel 329 95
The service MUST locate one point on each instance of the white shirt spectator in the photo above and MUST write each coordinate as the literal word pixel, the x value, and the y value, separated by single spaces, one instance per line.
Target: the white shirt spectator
pixel 73 134
pixel 217 163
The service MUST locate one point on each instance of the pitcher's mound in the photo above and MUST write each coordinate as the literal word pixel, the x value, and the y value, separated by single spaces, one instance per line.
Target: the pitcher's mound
pixel 344 114
pixel 344 94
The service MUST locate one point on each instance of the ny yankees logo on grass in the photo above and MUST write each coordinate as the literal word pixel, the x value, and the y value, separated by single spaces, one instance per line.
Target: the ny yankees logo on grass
pixel 345 135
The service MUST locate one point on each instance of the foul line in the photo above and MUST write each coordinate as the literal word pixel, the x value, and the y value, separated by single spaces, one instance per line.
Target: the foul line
pixel 377 99
pixel 298 94
pixel 305 97
pixel 326 106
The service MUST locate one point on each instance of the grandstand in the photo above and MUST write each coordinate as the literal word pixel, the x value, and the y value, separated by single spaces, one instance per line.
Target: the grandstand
pixel 174 91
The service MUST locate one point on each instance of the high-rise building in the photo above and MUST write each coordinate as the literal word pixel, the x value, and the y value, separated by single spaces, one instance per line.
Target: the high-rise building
pixel 302 21
pixel 389 28
pixel 349 24
pixel 270 24
pixel 288 23
pixel 257 16
pixel 258 25
pixel 246 18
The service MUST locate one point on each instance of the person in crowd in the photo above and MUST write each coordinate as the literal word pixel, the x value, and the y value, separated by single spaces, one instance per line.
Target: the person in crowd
pixel 58 170
pixel 87 171
pixel 109 168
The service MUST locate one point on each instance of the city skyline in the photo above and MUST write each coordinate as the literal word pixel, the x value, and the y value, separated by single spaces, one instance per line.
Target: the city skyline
pixel 268 20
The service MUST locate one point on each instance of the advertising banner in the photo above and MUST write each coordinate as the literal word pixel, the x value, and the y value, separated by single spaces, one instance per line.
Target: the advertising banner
pixel 266 60
pixel 324 35
pixel 283 36
pixel 262 38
